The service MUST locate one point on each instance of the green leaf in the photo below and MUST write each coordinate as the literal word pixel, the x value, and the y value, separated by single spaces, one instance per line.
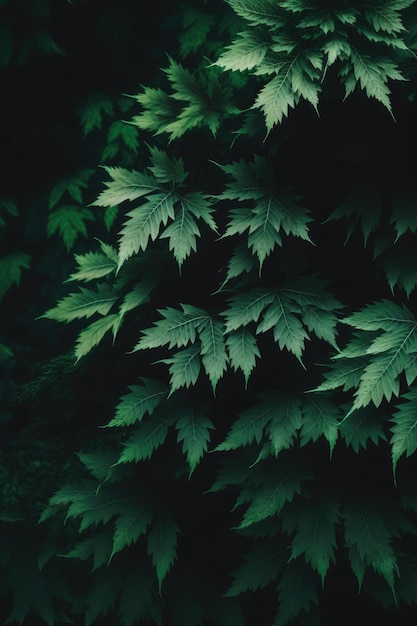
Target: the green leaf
pixel 125 185
pixel 85 303
pixel 315 532
pixel 320 418
pixel 146 438
pixel 366 531
pixel 11 267
pixel 177 328
pixel 246 307
pixel 213 351
pixel 268 498
pixel 261 566
pixel 69 221
pixel 91 336
pixel 141 400
pixel 404 429
pixel 242 350
pixel 297 592
pixel 93 265
pixel 162 544
pixel 144 223
pixel 193 428
pixel 363 425
pixel 72 185
pixel 132 522
pixel 91 112
pixel 97 546
pixel 184 367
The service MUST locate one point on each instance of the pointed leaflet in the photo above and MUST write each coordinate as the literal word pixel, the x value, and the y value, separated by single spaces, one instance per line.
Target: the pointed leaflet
pixel 93 265
pixel 297 592
pixel 366 531
pixel 320 418
pixel 382 315
pixel 182 233
pixel 146 438
pixel 72 185
pixel 193 428
pixel 102 594
pixel 249 426
pixel 262 565
pixel 93 334
pixel 125 185
pixel 213 351
pixel 362 426
pixel 177 328
pixel 11 267
pixel 69 221
pixel 131 523
pixel 97 546
pixel 271 492
pixel 315 532
pixel 84 501
pixel 243 350
pixel 256 11
pixel 246 52
pixel 246 307
pixel 184 367
pixel 144 223
pixel 162 544
pixel 85 303
pixel 277 97
pixel 288 330
pixel 404 429
pixel 166 169
pixel 277 415
pixel 142 399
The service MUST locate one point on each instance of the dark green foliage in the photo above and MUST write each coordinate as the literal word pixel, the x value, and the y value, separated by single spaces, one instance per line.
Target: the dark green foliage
pixel 224 432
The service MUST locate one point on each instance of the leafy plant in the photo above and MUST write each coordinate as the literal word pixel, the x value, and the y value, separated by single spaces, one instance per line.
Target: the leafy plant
pixel 255 407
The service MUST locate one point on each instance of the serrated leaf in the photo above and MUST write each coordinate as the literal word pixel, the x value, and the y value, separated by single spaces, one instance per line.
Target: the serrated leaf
pixel 213 350
pixel 141 400
pixel 315 533
pixel 11 267
pixel 125 185
pixel 84 303
pixel 69 221
pixel 366 531
pixel 243 351
pixel 404 428
pixel 72 185
pixel 162 544
pixel 193 428
pixel 297 592
pixel 144 224
pixel 91 112
pixel 91 336
pixel 184 367
pixel 97 546
pixel 261 566
pixel 363 425
pixel 131 524
pixel 177 328
pixel 147 437
pixel 320 418
pixel 269 500
pixel 93 265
